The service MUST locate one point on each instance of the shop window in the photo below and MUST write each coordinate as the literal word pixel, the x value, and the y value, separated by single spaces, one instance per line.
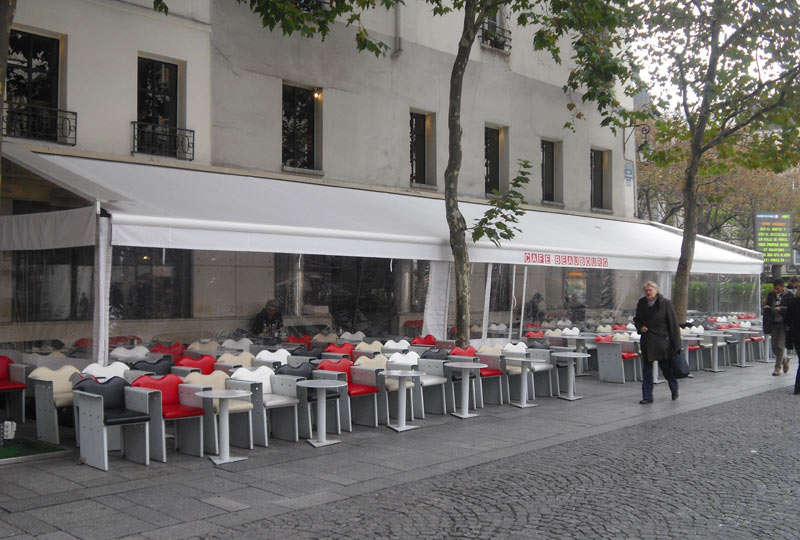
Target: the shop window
pixel 422 148
pixel 156 130
pixel 32 90
pixel 301 128
pixel 599 165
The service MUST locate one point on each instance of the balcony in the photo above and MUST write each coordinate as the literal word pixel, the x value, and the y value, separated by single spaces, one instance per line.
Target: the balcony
pixel 167 141
pixel 495 37
pixel 40 123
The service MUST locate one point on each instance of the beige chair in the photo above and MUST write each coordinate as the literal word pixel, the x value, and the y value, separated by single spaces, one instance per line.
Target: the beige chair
pixel 52 389
pixel 380 363
pixel 203 345
pixel 231 361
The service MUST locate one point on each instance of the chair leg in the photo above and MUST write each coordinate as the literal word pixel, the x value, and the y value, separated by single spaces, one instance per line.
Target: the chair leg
pixel 189 436
pixel 241 430
pixel 283 423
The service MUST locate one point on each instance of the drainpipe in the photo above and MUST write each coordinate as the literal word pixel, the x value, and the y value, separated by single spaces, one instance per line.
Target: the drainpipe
pixel 398 31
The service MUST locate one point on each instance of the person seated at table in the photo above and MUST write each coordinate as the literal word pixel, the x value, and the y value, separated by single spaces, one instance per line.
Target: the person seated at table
pixel 576 311
pixel 532 311
pixel 268 322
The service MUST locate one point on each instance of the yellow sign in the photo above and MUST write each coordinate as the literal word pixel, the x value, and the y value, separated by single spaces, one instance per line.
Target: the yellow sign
pixel 774 236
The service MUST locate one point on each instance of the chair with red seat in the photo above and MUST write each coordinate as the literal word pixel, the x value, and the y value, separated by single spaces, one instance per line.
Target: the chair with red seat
pixel 605 338
pixel 538 334
pixel 334 351
pixel 184 366
pixel 427 340
pixel 361 405
pixel 174 401
pixel 12 386
pixel 612 359
pixel 469 354
pixel 176 350
pixel 305 340
pixel 495 369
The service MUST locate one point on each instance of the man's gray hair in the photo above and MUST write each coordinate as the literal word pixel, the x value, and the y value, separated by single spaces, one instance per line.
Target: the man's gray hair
pixel 652 284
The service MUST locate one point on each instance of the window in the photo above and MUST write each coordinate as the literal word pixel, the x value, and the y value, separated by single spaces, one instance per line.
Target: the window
pixel 548 171
pixel 422 148
pixel 156 131
pixel 32 90
pixel 599 178
pixel 492 159
pixel 493 34
pixel 500 295
pixel 301 128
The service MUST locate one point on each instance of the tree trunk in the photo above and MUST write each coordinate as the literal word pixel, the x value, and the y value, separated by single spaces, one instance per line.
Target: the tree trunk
pixel 680 289
pixel 7 10
pixel 455 220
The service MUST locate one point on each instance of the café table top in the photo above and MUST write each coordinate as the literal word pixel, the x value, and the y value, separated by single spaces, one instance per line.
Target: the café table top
pixel 465 365
pixel 401 373
pixel 223 394
pixel 321 383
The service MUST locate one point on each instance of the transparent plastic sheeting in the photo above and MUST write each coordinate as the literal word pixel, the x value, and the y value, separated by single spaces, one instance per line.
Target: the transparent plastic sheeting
pixel 46 296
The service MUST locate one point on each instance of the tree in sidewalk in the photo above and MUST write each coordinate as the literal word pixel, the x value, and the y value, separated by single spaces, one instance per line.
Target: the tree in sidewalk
pixel 734 68
pixel 8 8
pixel 593 29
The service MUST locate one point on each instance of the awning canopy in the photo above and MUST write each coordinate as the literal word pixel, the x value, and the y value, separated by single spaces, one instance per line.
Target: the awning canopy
pixel 154 206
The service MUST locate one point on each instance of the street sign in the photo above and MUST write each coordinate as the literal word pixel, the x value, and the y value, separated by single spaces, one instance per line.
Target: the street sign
pixel 774 236
pixel 628 173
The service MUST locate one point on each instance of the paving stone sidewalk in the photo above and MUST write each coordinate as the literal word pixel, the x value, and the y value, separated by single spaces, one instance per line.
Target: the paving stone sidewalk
pixel 601 467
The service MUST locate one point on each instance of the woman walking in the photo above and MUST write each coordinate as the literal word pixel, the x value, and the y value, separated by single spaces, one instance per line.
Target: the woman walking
pixel 657 323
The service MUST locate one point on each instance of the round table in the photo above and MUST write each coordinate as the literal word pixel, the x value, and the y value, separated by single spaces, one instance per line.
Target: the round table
pixel 322 385
pixel 465 368
pixel 402 376
pixel 715 335
pixel 224 434
pixel 571 357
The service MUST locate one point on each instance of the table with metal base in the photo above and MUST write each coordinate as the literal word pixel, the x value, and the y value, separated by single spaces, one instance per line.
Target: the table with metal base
pixel 322 386
pixel 741 345
pixel 465 368
pixel 570 357
pixel 402 376
pixel 580 346
pixel 224 396
pixel 524 364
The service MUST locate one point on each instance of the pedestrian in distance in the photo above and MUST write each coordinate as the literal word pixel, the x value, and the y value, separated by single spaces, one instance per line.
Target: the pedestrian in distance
pixel 657 323
pixel 777 304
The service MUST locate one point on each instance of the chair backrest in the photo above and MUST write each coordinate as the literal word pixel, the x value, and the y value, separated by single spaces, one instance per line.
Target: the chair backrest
pixel 60 377
pixel 205 363
pixel 304 369
pixel 515 348
pixel 203 346
pixel 436 354
pixel 469 351
pixel 608 338
pixel 215 380
pixel 407 359
pixel 429 339
pixel 4 362
pixel 115 369
pixel 344 348
pixel 495 349
pixel 241 344
pixel 536 334
pixel 112 390
pixel 161 366
pixel 305 339
pixel 278 356
pixel 167 385
pixel 374 346
pixel 377 361
pixel 261 374
pixel 342 366
pixel 392 344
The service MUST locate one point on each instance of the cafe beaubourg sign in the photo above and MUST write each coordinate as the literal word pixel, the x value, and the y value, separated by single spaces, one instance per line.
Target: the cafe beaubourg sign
pixel 774 236
pixel 559 259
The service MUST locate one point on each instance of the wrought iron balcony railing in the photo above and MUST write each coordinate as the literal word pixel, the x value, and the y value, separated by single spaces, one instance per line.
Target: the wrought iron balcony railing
pixel 40 123
pixel 496 37
pixel 161 140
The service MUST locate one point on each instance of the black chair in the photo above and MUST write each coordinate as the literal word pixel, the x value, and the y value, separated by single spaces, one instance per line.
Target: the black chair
pixel 162 366
pixel 111 404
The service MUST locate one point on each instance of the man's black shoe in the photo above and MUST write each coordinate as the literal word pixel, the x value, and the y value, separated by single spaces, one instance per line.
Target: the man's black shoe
pixel 796 391
pixel 646 402
pixel 674 396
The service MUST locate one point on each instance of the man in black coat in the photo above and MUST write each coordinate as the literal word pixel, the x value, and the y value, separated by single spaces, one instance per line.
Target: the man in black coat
pixel 268 322
pixel 657 323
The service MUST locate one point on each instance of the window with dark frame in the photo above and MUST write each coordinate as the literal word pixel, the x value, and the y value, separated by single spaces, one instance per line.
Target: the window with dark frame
pixel 32 86
pixel 596 165
pixel 548 171
pixel 492 159
pixel 418 144
pixel 157 108
pixel 298 121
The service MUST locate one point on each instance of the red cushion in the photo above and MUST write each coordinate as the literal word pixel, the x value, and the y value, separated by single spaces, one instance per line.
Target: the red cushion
pixel 629 355
pixel 11 385
pixel 361 389
pixel 4 362
pixel 694 347
pixel 537 334
pixel 469 351
pixel 532 325
pixel 758 338
pixel 167 385
pixel 427 340
pixel 608 338
pixel 489 372
pixel 83 342
pixel 176 410
pixel 711 319
pixel 346 348
pixel 619 327
pixel 342 366
pixel 205 363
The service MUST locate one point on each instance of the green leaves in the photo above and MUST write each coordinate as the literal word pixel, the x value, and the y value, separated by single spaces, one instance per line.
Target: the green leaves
pixel 498 221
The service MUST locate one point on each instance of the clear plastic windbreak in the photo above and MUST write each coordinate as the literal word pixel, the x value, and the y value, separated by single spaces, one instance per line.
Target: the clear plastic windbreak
pixel 169 295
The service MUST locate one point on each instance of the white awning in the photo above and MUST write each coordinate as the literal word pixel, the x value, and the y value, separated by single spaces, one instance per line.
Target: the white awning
pixel 167 207
pixel 48 230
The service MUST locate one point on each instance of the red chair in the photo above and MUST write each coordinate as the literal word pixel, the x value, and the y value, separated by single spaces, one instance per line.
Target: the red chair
pixel 205 364
pixel 364 410
pixel 305 340
pixel 533 325
pixel 537 334
pixel 176 349
pixel 469 351
pixel 345 348
pixel 619 327
pixel 83 342
pixel 123 340
pixel 12 386
pixel 607 338
pixel 427 340
pixel 176 404
pixel 455 375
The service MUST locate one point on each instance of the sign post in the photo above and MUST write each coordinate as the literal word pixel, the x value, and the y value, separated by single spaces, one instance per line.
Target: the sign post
pixel 773 232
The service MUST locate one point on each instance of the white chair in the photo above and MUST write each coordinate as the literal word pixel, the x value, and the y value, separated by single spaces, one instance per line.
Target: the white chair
pixel 278 356
pixel 279 392
pixel 203 345
pixel 241 344
pixel 115 369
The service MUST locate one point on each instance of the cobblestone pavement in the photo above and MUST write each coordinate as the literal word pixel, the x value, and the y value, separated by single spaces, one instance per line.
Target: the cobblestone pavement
pixel 728 471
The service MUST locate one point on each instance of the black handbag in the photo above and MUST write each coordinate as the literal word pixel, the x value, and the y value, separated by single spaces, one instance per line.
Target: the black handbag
pixel 680 365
